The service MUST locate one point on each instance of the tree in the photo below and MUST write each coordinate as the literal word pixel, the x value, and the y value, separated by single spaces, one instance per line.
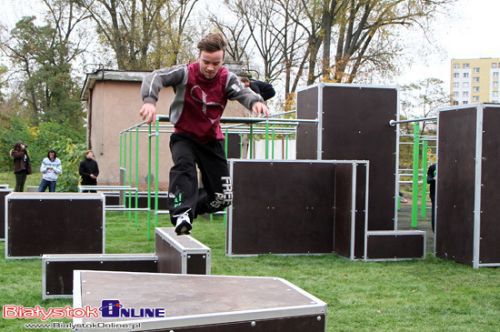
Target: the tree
pixel 142 33
pixel 422 99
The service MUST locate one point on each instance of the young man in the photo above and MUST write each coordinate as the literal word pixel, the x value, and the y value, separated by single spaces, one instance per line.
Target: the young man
pixel 201 93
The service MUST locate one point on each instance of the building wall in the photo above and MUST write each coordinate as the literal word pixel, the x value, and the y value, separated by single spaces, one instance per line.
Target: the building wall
pixel 475 80
pixel 114 106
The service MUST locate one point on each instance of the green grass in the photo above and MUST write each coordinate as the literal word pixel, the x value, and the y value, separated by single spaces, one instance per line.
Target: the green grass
pixel 10 179
pixel 426 295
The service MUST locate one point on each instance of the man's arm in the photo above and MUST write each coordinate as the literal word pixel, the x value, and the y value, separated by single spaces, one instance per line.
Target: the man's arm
pixel 245 96
pixel 153 83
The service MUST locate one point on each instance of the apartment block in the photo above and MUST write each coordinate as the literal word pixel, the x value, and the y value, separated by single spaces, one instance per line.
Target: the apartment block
pixel 475 81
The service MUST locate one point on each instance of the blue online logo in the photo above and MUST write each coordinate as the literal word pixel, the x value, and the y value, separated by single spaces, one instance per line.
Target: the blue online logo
pixel 114 309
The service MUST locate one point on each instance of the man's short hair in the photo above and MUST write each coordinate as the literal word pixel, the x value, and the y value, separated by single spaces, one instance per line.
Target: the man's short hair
pixel 212 42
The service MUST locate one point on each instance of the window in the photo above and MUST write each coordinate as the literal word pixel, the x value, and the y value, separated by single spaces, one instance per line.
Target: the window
pixel 465 102
pixel 475 79
pixel 455 94
pixel 495 74
pixel 456 85
pixel 456 75
pixel 465 75
pixel 475 98
pixel 476 70
pixel 475 89
pixel 494 94
pixel 456 66
pixel 465 66
pixel 465 94
pixel 465 85
pixel 494 65
pixel 495 85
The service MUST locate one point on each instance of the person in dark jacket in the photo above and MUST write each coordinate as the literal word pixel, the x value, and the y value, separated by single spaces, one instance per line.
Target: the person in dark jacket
pixel 264 89
pixel 202 90
pixel 22 166
pixel 431 180
pixel 89 170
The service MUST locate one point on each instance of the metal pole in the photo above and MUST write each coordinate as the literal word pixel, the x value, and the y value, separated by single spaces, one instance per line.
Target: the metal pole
pixel 129 205
pixel 121 152
pixel 267 140
pixel 149 183
pixel 416 146
pixel 423 199
pixel 250 142
pixel 157 169
pixel 272 142
pixel 136 174
pixel 392 123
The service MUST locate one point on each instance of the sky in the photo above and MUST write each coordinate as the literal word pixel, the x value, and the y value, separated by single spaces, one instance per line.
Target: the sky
pixel 469 30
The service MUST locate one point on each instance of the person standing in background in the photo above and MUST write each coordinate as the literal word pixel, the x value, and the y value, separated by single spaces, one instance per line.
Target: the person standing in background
pixel 22 166
pixel 431 180
pixel 51 169
pixel 89 170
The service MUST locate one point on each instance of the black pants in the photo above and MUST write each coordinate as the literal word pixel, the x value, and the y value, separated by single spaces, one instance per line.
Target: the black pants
pixel 183 190
pixel 20 180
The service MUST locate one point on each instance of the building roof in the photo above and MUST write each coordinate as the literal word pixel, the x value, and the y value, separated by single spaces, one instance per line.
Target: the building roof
pixel 109 75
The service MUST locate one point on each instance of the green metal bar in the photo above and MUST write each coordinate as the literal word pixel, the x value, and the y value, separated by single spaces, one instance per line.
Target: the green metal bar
pixel 423 198
pixel 273 137
pixel 267 140
pixel 250 141
pixel 414 201
pixel 149 183
pixel 130 175
pixel 136 216
pixel 157 169
pixel 226 143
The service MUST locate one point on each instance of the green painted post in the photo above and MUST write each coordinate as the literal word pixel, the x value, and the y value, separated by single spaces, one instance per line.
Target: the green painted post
pixel 423 198
pixel 414 201
pixel 129 194
pixel 157 169
pixel 250 142
pixel 136 217
pixel 226 142
pixel 273 136
pixel 149 182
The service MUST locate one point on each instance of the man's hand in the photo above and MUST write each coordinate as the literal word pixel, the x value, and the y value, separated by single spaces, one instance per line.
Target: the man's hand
pixel 148 112
pixel 93 176
pixel 260 108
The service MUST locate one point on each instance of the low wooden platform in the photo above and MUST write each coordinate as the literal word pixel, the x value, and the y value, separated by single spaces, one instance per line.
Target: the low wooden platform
pixel 199 302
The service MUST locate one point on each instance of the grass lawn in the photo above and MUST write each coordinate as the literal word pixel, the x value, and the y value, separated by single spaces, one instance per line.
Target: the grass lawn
pixel 426 295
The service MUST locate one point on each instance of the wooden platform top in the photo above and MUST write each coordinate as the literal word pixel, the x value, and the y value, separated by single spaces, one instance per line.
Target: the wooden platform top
pixel 181 242
pixel 193 300
pixel 56 195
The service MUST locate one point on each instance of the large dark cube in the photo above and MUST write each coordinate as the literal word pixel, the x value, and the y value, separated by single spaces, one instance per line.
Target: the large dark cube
pixel 354 125
pixel 57 270
pixel 54 223
pixel 199 302
pixel 297 207
pixel 467 224
pixel 3 192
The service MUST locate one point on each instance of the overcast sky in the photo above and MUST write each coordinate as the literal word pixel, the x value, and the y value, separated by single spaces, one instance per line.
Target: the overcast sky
pixel 471 31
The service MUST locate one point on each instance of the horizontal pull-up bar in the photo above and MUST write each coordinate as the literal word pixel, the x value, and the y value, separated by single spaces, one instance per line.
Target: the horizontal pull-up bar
pixel 392 123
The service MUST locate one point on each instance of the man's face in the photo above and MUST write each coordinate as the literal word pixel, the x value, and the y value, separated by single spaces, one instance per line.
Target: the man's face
pixel 210 63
